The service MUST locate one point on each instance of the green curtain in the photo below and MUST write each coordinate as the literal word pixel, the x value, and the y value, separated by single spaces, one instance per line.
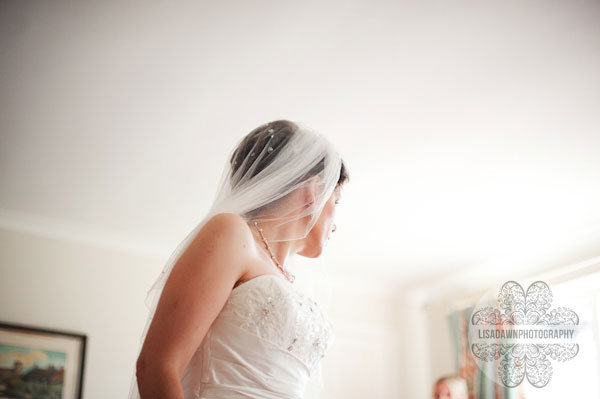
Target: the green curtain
pixel 480 385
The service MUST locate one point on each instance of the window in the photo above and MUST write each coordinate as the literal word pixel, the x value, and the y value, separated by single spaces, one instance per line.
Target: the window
pixel 578 377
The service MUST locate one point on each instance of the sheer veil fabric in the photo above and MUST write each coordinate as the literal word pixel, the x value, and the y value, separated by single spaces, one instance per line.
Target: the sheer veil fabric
pixel 266 178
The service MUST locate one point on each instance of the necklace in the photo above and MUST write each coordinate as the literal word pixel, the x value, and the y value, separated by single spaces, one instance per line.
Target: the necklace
pixel 287 274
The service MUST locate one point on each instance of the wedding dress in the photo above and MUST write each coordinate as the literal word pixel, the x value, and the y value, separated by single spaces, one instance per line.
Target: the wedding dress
pixel 265 343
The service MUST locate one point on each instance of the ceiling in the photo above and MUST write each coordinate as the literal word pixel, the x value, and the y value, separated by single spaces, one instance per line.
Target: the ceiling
pixel 470 129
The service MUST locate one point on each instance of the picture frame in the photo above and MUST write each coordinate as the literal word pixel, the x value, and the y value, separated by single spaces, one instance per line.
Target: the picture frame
pixel 40 363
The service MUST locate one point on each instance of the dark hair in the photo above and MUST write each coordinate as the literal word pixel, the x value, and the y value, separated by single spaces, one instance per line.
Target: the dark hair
pixel 282 131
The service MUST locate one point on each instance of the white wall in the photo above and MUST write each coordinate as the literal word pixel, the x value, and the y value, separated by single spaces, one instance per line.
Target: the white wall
pixel 61 285
pixel 439 342
pixel 365 359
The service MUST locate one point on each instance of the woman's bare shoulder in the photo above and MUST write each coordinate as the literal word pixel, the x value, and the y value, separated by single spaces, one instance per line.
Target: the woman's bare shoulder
pixel 229 232
pixel 231 225
pixel 228 217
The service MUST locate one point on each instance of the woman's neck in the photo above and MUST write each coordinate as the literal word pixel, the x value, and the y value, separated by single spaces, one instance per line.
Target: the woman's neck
pixel 282 250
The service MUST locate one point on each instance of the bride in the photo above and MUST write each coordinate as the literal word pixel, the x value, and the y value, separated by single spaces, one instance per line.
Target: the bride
pixel 226 320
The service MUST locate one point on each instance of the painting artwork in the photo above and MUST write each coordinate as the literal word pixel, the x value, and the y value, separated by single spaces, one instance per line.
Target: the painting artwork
pixel 38 363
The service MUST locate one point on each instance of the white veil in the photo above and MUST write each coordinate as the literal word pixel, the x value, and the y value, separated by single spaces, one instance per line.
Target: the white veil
pixel 267 178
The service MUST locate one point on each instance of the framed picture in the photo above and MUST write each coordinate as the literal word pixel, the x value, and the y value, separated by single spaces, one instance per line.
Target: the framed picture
pixel 37 363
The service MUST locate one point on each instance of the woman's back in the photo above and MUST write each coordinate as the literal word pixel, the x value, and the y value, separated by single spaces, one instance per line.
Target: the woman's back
pixel 193 296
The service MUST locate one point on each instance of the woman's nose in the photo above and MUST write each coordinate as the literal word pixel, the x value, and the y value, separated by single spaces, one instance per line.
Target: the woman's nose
pixel 332 230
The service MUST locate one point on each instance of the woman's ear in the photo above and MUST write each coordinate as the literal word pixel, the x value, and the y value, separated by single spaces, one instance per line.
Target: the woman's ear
pixel 310 193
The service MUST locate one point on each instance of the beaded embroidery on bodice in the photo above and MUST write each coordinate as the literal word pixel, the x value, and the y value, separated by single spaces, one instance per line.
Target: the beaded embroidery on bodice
pixel 265 343
pixel 272 311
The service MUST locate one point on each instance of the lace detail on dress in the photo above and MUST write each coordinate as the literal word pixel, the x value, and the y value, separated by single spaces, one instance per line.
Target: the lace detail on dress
pixel 273 310
pixel 313 332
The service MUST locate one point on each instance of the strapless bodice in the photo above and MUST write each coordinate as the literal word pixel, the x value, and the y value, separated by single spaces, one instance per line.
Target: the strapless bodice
pixel 265 343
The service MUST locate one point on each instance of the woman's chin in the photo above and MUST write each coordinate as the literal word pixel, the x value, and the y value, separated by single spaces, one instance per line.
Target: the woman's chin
pixel 313 252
